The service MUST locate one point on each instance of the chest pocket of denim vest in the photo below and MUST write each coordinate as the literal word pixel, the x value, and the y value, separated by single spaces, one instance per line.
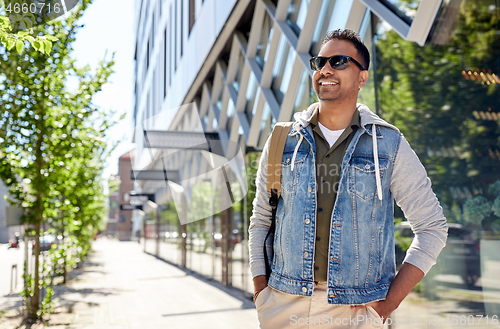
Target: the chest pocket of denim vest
pixel 362 181
pixel 289 179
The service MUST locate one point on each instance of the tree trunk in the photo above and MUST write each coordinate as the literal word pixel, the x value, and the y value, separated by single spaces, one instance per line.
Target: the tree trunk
pixel 38 211
pixel 35 299
pixel 64 250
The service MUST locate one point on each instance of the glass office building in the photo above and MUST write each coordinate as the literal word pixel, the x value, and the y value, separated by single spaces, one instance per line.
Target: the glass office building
pixel 241 66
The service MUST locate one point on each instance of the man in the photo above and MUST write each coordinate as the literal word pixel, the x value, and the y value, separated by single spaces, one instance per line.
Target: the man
pixel 333 249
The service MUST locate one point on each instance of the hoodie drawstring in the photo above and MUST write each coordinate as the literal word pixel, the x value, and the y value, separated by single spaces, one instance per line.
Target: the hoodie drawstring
pixel 375 157
pixel 377 168
pixel 296 149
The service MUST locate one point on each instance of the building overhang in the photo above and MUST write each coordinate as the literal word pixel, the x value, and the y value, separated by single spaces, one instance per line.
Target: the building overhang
pixel 156 175
pixel 183 140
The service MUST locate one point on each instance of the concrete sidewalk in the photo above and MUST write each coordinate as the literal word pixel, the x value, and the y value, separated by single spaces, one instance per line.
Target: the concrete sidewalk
pixel 122 287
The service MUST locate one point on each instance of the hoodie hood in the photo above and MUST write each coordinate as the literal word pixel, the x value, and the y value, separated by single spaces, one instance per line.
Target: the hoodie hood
pixel 366 117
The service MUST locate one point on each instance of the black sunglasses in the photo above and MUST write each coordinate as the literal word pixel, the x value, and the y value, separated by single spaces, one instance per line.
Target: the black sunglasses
pixel 337 62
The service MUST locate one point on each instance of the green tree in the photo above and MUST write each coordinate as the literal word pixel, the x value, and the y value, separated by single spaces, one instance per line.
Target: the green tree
pixel 251 167
pixel 52 144
pixel 9 39
pixel 435 94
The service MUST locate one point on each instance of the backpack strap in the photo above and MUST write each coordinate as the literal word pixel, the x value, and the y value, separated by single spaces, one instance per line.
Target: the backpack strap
pixel 278 140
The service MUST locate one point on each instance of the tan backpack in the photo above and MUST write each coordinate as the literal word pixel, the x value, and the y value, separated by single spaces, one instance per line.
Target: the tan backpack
pixel 278 140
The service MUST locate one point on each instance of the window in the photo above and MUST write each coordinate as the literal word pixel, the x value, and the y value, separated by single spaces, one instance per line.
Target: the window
pixel 443 97
pixel 148 105
pixel 239 72
pixel 305 94
pixel 140 20
pixel 146 12
pixel 266 126
pixel 135 104
pixel 154 86
pixel 175 36
pixel 230 115
pixel 251 97
pixel 321 26
pixel 282 70
pixel 297 11
pixel 182 27
pixel 170 46
pixel 145 65
pixel 406 10
pixel 265 36
pixel 165 61
pixel 410 19
pixel 153 31
pixel 147 56
pixel 192 11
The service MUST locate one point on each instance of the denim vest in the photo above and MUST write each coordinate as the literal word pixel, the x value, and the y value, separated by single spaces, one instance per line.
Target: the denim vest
pixel 361 256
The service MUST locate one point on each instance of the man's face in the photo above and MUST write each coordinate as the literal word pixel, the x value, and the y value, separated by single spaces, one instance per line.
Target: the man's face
pixel 339 85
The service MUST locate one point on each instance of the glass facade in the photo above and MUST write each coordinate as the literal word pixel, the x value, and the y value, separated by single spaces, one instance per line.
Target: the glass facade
pixel 403 8
pixel 321 28
pixel 445 99
pixel 367 94
pixel 265 36
pixel 206 250
pixel 239 72
pixel 305 95
pixel 297 11
pixel 251 97
pixel 282 69
pixel 266 126
pixel 230 115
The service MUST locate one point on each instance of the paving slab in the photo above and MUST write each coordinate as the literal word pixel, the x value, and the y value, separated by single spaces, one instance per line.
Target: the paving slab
pixel 121 287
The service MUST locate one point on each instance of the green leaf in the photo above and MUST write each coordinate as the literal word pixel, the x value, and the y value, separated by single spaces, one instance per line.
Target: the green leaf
pixel 48 46
pixel 19 46
pixel 22 33
pixel 42 47
pixel 27 23
pixel 36 45
pixel 4 20
pixel 51 38
pixel 10 43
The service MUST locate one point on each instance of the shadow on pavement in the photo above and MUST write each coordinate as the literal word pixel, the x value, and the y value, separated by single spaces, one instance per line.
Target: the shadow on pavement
pixel 471 307
pixel 60 291
pixel 85 268
pixel 247 303
pixel 463 286
pixel 10 302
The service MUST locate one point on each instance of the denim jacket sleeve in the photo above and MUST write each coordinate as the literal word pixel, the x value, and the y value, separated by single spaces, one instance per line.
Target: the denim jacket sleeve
pixel 260 221
pixel 413 193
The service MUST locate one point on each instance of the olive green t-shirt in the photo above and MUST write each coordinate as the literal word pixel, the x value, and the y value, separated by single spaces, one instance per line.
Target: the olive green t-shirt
pixel 328 167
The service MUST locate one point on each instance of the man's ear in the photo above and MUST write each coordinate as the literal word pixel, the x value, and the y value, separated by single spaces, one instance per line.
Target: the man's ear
pixel 363 77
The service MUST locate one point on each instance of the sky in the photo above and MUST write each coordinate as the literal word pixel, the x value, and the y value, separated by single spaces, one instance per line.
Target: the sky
pixel 109 26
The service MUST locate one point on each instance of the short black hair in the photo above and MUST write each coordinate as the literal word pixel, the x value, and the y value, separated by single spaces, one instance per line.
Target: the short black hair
pixel 352 37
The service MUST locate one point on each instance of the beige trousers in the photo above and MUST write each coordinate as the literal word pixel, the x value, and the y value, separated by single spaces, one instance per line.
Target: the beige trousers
pixel 277 310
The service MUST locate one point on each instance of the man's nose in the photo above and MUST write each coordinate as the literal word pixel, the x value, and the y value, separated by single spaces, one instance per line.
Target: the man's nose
pixel 327 69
